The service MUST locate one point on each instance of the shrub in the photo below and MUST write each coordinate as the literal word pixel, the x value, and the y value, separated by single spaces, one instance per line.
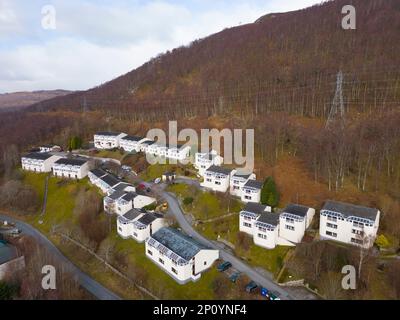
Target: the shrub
pixel 269 193
pixel 188 201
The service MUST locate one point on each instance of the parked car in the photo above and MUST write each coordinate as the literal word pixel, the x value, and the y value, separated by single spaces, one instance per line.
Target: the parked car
pixel 157 181
pixel 274 296
pixel 224 266
pixel 234 276
pixel 251 286
pixel 265 292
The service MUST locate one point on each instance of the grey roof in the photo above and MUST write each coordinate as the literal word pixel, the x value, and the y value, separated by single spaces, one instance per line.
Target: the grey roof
pixel 132 214
pixel 7 252
pixel 348 209
pixel 242 175
pixel 148 142
pixel 98 172
pixel 72 161
pixel 108 133
pixel 38 155
pixel 220 170
pixel 254 184
pixel 177 242
pixel 296 209
pixel 121 186
pixel 110 180
pixel 148 218
pixel 269 218
pixel 116 195
pixel 132 138
pixel 130 196
pixel 254 207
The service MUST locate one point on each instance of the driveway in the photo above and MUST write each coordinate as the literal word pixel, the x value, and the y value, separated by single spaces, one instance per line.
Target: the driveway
pixel 91 285
pixel 266 281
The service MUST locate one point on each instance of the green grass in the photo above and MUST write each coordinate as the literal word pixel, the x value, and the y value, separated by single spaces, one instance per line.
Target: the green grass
pixel 117 154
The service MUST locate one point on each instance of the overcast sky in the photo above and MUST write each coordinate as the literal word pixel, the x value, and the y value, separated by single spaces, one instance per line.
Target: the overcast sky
pixel 97 40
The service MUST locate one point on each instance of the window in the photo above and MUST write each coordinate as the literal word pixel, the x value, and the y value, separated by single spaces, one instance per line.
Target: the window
pixel 331 225
pixel 358 224
pixel 208 180
pixel 218 183
pixel 161 261
pixel 248 225
pixel 357 232
pixel 174 270
pixel 247 197
pixel 333 219
pixel 357 241
pixel 205 263
pixel 331 234
pixel 262 236
pixel 236 188
pixel 150 253
pixel 262 229
pixel 290 220
pixel 291 228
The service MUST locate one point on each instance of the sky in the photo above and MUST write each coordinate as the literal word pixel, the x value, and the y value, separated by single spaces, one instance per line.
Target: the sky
pixel 79 44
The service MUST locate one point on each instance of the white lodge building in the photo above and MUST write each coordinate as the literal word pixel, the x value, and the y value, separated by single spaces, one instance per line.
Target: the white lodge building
pixel 294 220
pixel 38 162
pixel 251 191
pixel 203 161
pixel 238 180
pixel 74 168
pixel 271 229
pixel 139 224
pixel 348 223
pixel 217 178
pixel 121 201
pixel 131 143
pixel 108 140
pixel 180 256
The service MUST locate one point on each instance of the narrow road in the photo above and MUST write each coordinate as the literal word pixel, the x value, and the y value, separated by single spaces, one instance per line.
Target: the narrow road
pixel 175 209
pixel 91 285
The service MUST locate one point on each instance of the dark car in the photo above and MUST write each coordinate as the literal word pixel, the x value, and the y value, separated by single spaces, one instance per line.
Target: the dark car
pixel 234 276
pixel 251 286
pixel 224 266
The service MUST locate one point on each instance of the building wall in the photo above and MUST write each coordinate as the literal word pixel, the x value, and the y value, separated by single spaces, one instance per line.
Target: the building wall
pixel 266 239
pixel 255 196
pixel 38 165
pixel 243 228
pixel 222 187
pixel 295 235
pixel 204 260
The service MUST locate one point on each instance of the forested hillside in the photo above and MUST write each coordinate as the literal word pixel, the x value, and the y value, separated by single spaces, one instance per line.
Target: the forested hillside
pixel 286 62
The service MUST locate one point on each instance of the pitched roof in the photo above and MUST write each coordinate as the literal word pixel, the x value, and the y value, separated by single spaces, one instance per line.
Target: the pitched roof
pixel 129 196
pixel 98 172
pixel 38 155
pixel 121 186
pixel 148 218
pixel 72 161
pixel 132 138
pixel 148 142
pixel 132 214
pixel 221 170
pixel 254 184
pixel 110 180
pixel 269 218
pixel 242 175
pixel 296 209
pixel 178 242
pixel 348 209
pixel 254 207
pixel 116 195
pixel 108 133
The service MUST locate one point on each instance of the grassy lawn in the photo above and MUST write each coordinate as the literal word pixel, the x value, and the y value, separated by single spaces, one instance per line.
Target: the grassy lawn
pixel 118 155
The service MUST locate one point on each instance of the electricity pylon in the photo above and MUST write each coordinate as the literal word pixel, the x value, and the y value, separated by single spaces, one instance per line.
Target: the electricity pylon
pixel 337 113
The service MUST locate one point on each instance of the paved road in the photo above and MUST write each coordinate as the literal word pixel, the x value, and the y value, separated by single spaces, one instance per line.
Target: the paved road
pixel 175 209
pixel 85 281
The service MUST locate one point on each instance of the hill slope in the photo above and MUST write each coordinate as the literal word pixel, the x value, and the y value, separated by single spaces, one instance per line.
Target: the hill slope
pixel 283 62
pixel 23 99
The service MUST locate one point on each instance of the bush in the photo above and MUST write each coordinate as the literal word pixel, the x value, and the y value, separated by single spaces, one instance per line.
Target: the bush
pixel 382 242
pixel 188 201
pixel 269 193
pixel 7 291
pixel 150 207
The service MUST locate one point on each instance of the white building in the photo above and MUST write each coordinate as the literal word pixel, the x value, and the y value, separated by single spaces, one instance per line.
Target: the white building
pixel 139 224
pixel 145 145
pixel 49 148
pixel 121 201
pixel 203 161
pixel 180 256
pixel 238 180
pixel 131 143
pixel 107 183
pixel 95 175
pixel 251 191
pixel 178 152
pixel 108 140
pixel 217 178
pixel 348 223
pixel 38 162
pixel 271 229
pixel 74 168
pixel 293 222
